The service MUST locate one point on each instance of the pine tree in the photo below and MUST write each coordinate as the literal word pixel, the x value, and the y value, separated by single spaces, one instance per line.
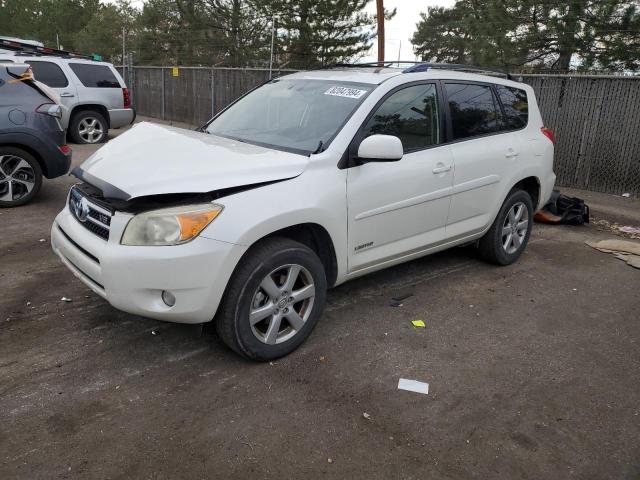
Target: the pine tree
pixel 562 35
pixel 321 32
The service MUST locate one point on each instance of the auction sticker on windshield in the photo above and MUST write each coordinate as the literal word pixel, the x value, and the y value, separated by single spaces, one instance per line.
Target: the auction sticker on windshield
pixel 345 92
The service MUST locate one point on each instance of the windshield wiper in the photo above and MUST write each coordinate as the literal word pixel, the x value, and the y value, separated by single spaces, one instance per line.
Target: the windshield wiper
pixel 319 149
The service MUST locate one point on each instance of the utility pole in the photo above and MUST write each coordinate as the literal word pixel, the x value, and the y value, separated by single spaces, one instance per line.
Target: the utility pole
pixel 58 41
pixel 380 15
pixel 273 39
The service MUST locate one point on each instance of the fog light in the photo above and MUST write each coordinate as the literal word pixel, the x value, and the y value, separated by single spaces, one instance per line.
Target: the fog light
pixel 168 298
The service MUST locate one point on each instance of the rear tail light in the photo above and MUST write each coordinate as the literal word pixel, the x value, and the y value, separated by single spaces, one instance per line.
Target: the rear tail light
pixel 549 134
pixel 126 98
pixel 66 149
pixel 50 109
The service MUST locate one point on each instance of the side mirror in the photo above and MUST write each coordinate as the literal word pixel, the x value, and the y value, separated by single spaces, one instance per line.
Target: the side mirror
pixel 380 148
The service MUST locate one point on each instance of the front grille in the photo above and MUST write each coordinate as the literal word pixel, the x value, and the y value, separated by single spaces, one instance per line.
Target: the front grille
pixel 91 216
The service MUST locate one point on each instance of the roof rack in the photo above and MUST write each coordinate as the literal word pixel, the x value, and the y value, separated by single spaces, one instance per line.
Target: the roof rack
pixel 422 67
pixel 380 64
pixel 29 49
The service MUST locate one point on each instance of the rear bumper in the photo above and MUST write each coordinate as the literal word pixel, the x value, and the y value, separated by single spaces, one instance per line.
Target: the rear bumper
pixel 132 278
pixel 546 188
pixel 58 164
pixel 120 117
pixel 45 144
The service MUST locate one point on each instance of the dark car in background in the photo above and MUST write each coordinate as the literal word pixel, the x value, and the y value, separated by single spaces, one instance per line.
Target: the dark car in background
pixel 32 140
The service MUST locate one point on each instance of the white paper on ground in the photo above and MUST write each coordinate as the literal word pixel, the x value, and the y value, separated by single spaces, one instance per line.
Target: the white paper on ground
pixel 413 386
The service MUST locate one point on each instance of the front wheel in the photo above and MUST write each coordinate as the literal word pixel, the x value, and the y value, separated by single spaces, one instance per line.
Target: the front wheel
pixel 273 300
pixel 508 236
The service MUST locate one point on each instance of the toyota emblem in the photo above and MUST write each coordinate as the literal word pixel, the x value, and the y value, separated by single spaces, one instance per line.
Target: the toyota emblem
pixel 81 209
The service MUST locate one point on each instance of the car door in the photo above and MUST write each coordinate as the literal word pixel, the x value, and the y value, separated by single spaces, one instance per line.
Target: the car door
pixel 400 207
pixel 55 77
pixel 482 154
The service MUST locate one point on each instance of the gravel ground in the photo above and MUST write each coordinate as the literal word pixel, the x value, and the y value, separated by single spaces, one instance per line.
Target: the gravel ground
pixel 533 372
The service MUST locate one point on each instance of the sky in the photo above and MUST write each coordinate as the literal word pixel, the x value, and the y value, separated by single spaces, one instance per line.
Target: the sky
pixel 400 29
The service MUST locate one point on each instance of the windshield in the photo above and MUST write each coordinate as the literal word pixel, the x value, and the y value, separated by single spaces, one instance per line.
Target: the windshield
pixel 293 115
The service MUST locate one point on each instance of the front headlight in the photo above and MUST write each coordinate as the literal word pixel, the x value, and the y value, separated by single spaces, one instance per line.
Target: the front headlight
pixel 169 226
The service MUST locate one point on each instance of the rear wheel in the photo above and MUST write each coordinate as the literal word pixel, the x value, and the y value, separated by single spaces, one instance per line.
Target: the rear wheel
pixel 20 177
pixel 88 127
pixel 273 301
pixel 508 236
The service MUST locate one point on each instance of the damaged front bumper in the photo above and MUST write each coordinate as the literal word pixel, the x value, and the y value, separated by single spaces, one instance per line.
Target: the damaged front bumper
pixel 132 279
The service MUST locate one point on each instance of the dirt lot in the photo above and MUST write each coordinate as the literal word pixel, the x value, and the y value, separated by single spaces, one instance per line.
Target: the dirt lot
pixel 533 372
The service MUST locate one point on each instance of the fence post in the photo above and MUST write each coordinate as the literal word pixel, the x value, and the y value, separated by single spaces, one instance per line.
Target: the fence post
pixel 132 79
pixel 213 95
pixel 162 73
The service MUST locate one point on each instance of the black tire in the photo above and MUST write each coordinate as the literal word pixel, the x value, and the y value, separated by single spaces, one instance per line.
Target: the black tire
pixel 491 246
pixel 243 291
pixel 9 156
pixel 76 125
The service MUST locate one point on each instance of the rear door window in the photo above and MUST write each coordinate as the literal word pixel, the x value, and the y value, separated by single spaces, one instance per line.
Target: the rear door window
pixel 48 73
pixel 473 109
pixel 516 107
pixel 411 114
pixel 95 76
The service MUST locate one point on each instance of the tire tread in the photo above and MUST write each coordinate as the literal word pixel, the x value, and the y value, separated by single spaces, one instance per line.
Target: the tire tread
pixel 225 323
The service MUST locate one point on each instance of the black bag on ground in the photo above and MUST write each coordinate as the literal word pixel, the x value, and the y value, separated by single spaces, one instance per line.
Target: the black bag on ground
pixel 563 209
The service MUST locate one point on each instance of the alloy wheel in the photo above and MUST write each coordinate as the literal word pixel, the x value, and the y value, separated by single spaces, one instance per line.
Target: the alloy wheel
pixel 17 178
pixel 90 130
pixel 515 227
pixel 282 304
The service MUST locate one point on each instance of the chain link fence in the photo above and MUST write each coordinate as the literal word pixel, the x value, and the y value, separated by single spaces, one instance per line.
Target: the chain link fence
pixel 596 119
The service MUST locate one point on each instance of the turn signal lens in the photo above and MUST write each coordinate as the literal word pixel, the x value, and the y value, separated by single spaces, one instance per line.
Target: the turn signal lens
pixel 169 226
pixel 192 223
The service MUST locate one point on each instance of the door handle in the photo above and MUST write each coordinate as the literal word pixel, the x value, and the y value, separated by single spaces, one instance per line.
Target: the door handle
pixel 511 153
pixel 67 94
pixel 441 169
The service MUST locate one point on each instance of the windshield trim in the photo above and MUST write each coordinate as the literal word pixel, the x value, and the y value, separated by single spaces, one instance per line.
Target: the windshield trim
pixel 298 151
pixel 308 153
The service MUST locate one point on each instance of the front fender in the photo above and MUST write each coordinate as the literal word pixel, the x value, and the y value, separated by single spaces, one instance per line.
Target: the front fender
pixel 318 198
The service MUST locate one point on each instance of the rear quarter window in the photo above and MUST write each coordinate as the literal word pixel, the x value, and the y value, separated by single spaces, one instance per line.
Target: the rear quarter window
pixel 516 106
pixel 48 73
pixel 473 109
pixel 95 76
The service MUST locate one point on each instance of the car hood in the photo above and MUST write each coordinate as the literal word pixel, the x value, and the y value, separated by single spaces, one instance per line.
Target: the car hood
pixel 152 159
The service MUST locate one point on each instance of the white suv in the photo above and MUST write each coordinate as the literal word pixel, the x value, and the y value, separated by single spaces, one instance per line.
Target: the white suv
pixel 304 183
pixel 94 94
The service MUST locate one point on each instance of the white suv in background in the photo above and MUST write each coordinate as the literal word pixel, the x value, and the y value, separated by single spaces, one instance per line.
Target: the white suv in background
pixel 304 183
pixel 94 94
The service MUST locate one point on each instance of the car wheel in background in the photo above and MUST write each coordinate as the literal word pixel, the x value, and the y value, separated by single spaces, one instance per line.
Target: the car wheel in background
pixel 20 177
pixel 273 300
pixel 508 236
pixel 88 127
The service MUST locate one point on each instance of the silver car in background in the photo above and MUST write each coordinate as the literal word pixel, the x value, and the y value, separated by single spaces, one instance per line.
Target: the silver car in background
pixel 94 94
